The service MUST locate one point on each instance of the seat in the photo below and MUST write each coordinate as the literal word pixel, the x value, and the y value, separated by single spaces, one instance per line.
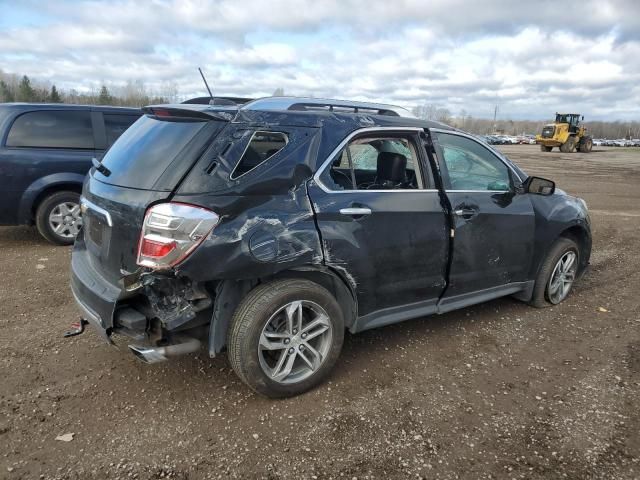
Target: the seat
pixel 391 170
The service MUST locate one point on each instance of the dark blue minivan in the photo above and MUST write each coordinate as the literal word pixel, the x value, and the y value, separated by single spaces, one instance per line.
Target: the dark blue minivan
pixel 45 152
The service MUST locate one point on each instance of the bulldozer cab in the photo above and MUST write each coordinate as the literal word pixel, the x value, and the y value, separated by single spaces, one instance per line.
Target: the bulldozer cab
pixel 573 119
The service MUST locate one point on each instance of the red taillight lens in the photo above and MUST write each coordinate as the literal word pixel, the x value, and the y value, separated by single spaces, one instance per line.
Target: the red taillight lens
pixel 154 248
pixel 171 231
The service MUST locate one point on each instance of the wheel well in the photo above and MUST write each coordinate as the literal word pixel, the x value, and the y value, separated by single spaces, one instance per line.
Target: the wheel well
pixel 59 187
pixel 229 293
pixel 579 235
pixel 333 283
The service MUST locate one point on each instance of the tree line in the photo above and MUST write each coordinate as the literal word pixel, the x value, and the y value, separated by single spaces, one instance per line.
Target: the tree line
pixel 14 88
pixel 484 126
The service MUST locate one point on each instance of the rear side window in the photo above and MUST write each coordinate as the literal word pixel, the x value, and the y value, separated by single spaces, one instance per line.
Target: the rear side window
pixel 146 149
pixel 116 124
pixel 52 129
pixel 261 147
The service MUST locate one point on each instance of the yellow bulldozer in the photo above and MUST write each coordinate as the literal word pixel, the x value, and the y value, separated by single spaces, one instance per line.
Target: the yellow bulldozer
pixel 567 132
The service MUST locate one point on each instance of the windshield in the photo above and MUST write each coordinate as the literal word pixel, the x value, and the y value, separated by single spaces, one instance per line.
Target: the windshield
pixel 146 149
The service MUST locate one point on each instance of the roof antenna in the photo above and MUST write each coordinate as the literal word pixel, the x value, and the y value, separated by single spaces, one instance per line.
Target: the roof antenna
pixel 211 102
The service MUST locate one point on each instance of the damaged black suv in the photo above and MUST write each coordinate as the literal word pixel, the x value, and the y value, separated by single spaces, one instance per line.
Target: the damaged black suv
pixel 268 228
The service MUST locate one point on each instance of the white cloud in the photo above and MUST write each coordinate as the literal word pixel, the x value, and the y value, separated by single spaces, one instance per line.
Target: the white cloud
pixel 455 53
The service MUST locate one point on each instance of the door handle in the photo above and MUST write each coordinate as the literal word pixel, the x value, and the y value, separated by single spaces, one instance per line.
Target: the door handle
pixel 355 211
pixel 465 212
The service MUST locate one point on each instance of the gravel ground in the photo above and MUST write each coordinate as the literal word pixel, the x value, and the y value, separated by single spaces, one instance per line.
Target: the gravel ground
pixel 499 390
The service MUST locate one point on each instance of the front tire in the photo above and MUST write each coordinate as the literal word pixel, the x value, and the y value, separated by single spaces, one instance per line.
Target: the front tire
pixel 58 217
pixel 557 274
pixel 568 146
pixel 285 337
pixel 544 148
pixel 586 145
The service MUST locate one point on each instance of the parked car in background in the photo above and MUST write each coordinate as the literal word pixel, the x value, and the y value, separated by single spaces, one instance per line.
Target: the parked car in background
pixel 45 152
pixel 270 228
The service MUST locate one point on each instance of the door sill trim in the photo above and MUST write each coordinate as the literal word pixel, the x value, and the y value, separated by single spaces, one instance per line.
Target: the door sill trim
pixel 389 316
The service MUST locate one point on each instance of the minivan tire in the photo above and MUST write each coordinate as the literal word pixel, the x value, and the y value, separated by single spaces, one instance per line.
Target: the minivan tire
pixel 562 246
pixel 257 310
pixel 46 206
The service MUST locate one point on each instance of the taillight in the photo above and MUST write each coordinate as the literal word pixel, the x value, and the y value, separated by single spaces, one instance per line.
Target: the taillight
pixel 171 231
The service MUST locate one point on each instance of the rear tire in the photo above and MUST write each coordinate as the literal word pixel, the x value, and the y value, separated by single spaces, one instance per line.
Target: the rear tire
pixel 544 294
pixel 544 148
pixel 272 344
pixel 58 217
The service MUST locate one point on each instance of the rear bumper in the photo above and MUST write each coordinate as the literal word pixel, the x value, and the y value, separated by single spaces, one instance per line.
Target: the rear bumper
pixel 96 297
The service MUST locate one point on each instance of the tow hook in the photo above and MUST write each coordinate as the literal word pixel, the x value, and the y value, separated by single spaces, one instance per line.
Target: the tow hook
pixel 76 328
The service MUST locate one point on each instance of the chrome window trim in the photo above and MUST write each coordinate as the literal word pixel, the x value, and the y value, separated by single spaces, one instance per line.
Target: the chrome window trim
pixel 86 204
pixel 345 142
pixel 286 142
pixel 487 147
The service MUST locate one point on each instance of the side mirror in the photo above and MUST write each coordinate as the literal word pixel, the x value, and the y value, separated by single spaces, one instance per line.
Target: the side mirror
pixel 583 118
pixel 539 186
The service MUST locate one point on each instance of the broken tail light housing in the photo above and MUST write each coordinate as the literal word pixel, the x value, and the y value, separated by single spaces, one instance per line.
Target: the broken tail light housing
pixel 171 231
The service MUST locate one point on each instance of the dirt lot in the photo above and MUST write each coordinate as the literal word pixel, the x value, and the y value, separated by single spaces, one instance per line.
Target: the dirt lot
pixel 500 390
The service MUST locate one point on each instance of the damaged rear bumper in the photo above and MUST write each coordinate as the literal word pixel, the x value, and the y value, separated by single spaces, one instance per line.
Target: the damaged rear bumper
pixel 95 296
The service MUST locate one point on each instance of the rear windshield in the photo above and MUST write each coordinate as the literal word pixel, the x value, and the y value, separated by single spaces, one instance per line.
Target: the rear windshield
pixel 146 149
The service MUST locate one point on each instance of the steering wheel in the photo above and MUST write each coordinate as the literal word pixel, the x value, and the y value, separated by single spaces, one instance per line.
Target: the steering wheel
pixel 347 177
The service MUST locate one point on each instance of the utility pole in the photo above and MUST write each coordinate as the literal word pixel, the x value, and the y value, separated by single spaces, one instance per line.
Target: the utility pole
pixel 495 115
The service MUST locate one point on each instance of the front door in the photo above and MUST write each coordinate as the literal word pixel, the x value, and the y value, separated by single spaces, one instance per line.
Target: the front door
pixel 493 224
pixel 382 224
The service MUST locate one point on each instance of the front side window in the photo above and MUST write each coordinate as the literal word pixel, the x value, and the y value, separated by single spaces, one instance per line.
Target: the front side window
pixel 375 163
pixel 52 129
pixel 471 166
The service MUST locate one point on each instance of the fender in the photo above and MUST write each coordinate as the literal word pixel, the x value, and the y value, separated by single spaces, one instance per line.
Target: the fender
pixel 36 188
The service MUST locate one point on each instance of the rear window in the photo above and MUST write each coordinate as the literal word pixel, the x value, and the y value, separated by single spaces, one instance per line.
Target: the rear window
pixel 116 124
pixel 145 150
pixel 52 129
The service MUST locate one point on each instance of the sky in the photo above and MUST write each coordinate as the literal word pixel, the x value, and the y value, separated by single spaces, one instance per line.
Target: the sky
pixel 530 58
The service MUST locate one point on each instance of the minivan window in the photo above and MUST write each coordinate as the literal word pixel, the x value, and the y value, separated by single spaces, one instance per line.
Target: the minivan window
pixel 263 145
pixel 52 129
pixel 115 125
pixel 146 149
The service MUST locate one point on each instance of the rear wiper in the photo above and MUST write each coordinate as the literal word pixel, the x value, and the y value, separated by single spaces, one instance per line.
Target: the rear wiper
pixel 100 167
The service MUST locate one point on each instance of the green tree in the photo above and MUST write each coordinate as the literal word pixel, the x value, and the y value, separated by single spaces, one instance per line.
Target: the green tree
pixel 54 96
pixel 105 97
pixel 26 93
pixel 6 95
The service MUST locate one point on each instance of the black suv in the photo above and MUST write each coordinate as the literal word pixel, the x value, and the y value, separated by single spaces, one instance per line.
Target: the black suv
pixel 45 153
pixel 270 228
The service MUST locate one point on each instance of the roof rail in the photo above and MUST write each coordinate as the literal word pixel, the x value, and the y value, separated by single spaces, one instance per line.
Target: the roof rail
pixel 324 104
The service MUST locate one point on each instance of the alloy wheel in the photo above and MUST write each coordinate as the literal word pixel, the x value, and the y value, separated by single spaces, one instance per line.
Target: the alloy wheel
pixel 295 342
pixel 562 278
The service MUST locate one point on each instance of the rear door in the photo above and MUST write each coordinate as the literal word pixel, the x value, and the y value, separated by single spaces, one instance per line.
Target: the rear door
pixel 381 222
pixel 493 223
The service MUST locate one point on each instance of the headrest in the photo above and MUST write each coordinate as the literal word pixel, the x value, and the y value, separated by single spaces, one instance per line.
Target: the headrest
pixel 392 167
